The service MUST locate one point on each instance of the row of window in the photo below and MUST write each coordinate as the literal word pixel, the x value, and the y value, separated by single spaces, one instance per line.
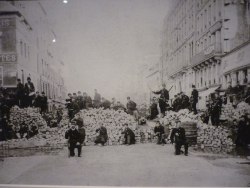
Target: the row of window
pixel 208 16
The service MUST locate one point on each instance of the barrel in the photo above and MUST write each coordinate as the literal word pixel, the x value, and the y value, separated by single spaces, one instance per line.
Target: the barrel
pixel 191 132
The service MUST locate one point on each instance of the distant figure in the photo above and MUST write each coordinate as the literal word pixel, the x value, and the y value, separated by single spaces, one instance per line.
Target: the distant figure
pixel 164 97
pixel 80 100
pixel 97 99
pixel 194 99
pixel 44 103
pixel 119 106
pixel 102 138
pixel 153 109
pixel 29 92
pixel 160 133
pixel 216 110
pixel 178 136
pixel 131 108
pixel 129 135
pixel 113 103
pixel 184 101
pixel 37 100
pixel 20 93
pixel 105 103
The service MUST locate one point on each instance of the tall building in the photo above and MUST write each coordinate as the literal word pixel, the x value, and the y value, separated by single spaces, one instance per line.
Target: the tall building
pixel 27 48
pixel 198 37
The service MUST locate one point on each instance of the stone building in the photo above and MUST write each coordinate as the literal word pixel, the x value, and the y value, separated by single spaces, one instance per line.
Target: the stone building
pixel 27 48
pixel 199 37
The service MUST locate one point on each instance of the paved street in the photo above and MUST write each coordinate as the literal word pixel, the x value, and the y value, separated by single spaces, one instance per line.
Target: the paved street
pixel 138 165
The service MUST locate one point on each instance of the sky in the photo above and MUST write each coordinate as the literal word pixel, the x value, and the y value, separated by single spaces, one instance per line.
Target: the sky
pixel 103 42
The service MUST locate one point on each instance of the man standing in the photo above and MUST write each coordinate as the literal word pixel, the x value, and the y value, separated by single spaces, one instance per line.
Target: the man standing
pixel 44 103
pixel 79 100
pixel 159 132
pixel 37 101
pixel 29 92
pixel 129 135
pixel 164 97
pixel 153 109
pixel 20 91
pixel 74 140
pixel 178 136
pixel 194 99
pixel 216 110
pixel 185 104
pixel 97 99
pixel 131 108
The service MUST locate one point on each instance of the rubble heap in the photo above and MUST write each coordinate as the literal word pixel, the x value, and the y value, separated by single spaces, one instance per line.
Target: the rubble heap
pixel 114 122
pixel 26 116
pixel 230 113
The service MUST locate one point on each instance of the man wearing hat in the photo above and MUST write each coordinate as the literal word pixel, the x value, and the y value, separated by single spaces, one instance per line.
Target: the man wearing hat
pixel 20 93
pixel 74 140
pixel 194 99
pixel 164 97
pixel 159 132
pixel 29 92
pixel 129 135
pixel 178 136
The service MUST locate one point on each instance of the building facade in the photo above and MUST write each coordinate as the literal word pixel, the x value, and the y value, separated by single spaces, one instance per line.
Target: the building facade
pixel 26 48
pixel 199 40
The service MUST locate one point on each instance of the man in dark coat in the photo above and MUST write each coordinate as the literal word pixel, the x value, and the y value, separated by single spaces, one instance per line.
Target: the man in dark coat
pixel 178 136
pixel 129 135
pixel 105 103
pixel 160 133
pixel 216 110
pixel 194 99
pixel 184 101
pixel 74 140
pixel 102 138
pixel 164 97
pixel 44 103
pixel 20 91
pixel 29 92
pixel 153 109
pixel 37 100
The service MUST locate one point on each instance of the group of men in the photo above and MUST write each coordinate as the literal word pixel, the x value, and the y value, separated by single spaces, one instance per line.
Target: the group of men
pixel 79 101
pixel 177 136
pixel 180 101
pixel 76 136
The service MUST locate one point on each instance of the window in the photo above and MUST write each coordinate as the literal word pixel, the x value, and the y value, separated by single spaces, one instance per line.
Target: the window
pixel 21 47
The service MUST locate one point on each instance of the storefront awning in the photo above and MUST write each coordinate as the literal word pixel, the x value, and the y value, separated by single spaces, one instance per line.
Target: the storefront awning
pixel 208 91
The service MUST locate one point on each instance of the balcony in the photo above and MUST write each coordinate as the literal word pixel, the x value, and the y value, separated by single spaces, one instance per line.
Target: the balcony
pixel 209 52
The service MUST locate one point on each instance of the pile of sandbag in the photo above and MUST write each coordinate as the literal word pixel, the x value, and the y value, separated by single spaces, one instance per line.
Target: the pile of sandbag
pixel 26 116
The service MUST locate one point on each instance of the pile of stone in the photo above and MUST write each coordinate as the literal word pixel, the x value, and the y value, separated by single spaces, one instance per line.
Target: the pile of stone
pixel 114 122
pixel 26 116
pixel 229 112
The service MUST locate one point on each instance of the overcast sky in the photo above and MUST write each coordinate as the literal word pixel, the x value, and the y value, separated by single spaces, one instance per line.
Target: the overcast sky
pixel 103 41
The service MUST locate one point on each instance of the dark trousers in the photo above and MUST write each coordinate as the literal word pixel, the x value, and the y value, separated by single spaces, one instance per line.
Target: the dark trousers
pixel 162 106
pixel 194 107
pixel 160 139
pixel 178 146
pixel 215 118
pixel 72 147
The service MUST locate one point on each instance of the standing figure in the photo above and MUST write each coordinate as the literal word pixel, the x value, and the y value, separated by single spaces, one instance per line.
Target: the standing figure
pixel 102 138
pixel 20 91
pixel 194 101
pixel 164 97
pixel 29 92
pixel 97 99
pixel 37 101
pixel 160 133
pixel 131 108
pixel 185 104
pixel 44 103
pixel 216 110
pixel 80 100
pixel 178 136
pixel 129 135
pixel 74 140
pixel 153 109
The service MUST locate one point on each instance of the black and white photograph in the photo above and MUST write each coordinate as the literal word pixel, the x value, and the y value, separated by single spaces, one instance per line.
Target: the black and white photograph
pixel 124 93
